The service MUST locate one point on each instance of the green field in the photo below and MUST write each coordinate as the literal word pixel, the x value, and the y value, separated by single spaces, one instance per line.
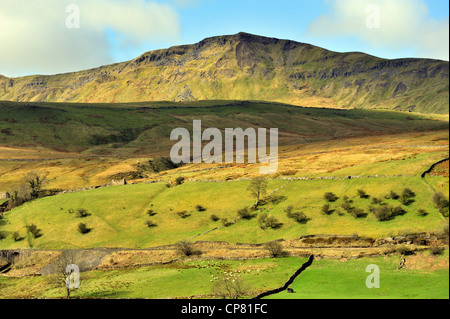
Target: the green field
pixel 325 279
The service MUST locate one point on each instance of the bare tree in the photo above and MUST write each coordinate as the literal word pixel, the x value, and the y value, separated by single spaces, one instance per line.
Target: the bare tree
pixel 230 286
pixel 275 249
pixel 65 271
pixel 35 183
pixel 258 189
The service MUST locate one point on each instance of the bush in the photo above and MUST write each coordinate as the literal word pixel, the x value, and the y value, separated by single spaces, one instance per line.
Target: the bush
pixel 271 222
pixel 326 209
pixel 2 235
pixel 187 248
pixel 150 224
pixel 362 193
pixel 358 213
pixel 299 217
pixel 397 211
pixel 36 232
pixel 200 208
pixel 441 203
pixel 183 214
pixel 347 207
pixel 16 236
pixel 406 197
pixel 275 249
pixel 214 218
pixel 226 222
pixel 245 213
pixel 392 195
pixel 83 229
pixel 288 210
pixel 82 213
pixel 377 201
pixel 436 250
pixel 405 251
pixel 382 213
pixel 151 213
pixel 179 180
pixel 422 212
pixel 330 197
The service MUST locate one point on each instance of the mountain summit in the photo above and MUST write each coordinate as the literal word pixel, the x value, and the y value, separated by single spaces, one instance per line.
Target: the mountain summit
pixel 249 67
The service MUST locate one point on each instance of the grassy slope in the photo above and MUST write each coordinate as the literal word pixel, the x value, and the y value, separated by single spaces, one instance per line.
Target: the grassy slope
pixel 327 279
pixel 118 213
pixel 143 128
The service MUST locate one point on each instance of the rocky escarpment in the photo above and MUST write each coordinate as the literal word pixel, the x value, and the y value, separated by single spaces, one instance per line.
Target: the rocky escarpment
pixel 249 67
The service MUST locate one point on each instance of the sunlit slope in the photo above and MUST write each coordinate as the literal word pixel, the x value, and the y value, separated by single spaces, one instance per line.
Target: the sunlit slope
pixel 249 67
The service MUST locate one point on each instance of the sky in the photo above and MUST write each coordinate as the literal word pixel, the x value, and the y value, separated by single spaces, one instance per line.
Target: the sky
pixel 58 36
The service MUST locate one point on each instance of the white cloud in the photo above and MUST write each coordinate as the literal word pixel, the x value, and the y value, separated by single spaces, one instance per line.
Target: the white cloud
pixel 402 24
pixel 34 37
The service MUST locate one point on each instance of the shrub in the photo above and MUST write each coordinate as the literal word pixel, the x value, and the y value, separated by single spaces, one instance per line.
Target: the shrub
pixel 441 203
pixel 392 195
pixel 288 210
pixel 271 222
pixel 226 222
pixel 200 208
pixel 347 207
pixel 36 232
pixel 151 213
pixel 275 249
pixel 245 213
pixel 214 218
pixel 422 212
pixel 377 201
pixel 330 197
pixel 81 213
pixel 326 209
pixel 299 217
pixel 405 251
pixel 16 236
pixel 187 248
pixel 179 180
pixel 362 193
pixel 150 224
pixel 358 213
pixel 406 197
pixel 2 235
pixel 71 211
pixel 383 213
pixel 83 229
pixel 397 211
pixel 183 214
pixel 436 250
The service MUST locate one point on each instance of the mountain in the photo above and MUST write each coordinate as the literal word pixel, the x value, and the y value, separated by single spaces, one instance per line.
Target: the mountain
pixel 249 67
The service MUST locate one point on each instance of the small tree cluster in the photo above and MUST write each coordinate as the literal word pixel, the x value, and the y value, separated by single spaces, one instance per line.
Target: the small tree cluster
pixel 407 196
pixel 330 197
pixel 183 214
pixel 83 229
pixel 441 203
pixel 246 213
pixel 385 213
pixel 187 248
pixel 34 231
pixel 266 221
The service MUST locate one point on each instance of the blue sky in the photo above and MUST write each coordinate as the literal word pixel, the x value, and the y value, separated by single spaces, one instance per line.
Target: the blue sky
pixel 37 41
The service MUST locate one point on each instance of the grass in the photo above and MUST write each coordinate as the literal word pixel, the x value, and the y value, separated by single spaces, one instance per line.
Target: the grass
pixel 326 279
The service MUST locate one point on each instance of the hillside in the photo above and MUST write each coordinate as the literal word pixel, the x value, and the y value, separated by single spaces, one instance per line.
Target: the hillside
pixel 249 67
